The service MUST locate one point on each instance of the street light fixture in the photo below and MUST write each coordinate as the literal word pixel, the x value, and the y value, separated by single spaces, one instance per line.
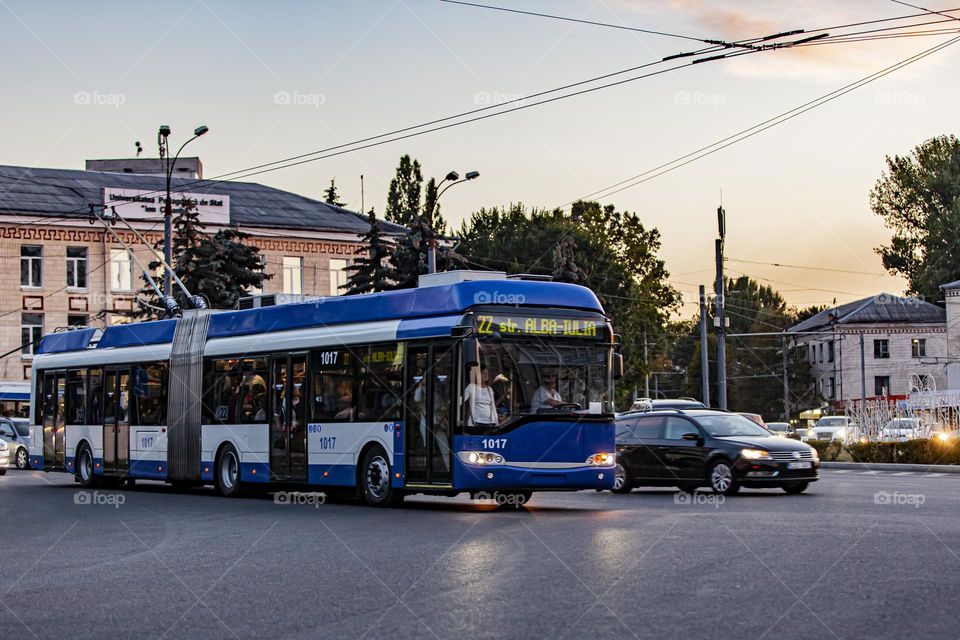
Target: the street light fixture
pixel 163 142
pixel 453 178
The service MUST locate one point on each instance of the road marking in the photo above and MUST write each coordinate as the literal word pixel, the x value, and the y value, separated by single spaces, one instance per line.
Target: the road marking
pixel 935 475
pixel 904 473
pixel 841 470
pixel 869 473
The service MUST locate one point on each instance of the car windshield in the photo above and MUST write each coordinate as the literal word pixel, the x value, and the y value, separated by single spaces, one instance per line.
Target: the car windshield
pixel 725 425
pixel 832 422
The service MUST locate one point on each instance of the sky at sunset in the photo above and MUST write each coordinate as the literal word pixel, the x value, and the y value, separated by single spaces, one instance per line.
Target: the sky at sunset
pixel 274 80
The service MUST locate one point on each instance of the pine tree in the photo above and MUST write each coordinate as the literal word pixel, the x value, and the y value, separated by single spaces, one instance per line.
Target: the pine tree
pixel 430 202
pixel 403 198
pixel 565 269
pixel 241 267
pixel 409 258
pixel 371 272
pixel 330 195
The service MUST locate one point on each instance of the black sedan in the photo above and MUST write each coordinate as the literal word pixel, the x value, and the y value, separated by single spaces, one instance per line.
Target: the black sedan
pixel 703 448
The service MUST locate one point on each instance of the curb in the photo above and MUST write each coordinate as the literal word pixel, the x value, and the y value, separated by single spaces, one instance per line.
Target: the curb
pixel 886 466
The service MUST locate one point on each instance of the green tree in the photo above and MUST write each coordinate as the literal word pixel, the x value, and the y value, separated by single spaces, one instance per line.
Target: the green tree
pixel 409 258
pixel 403 197
pixel 221 267
pixel 565 267
pixel 331 196
pixel 615 254
pixel 918 197
pixel 371 272
pixel 430 203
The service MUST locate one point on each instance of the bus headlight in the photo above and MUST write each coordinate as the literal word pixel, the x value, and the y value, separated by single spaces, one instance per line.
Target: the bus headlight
pixel 602 459
pixel 481 457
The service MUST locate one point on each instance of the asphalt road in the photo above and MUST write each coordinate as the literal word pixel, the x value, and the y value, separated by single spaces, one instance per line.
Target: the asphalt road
pixel 849 559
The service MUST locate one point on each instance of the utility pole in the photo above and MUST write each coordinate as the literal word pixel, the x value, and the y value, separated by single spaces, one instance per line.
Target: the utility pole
pixel 786 381
pixel 704 350
pixel 720 320
pixel 863 382
pixel 646 366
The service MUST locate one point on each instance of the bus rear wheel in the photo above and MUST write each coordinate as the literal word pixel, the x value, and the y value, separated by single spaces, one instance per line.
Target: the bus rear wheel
pixel 227 472
pixel 376 489
pixel 84 472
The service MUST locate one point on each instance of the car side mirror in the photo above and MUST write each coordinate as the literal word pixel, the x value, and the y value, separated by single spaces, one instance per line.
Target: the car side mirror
pixel 471 353
pixel 617 366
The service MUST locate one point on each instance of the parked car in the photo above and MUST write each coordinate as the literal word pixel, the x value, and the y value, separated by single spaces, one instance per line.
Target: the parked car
pixel 782 429
pixel 697 448
pixel 5 450
pixel 839 428
pixel 646 404
pixel 901 429
pixel 16 431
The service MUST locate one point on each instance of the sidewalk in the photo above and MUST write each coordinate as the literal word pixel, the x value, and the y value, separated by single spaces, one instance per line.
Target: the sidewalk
pixel 881 466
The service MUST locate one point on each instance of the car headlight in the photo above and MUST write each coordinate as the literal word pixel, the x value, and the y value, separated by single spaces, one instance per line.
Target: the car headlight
pixel 602 459
pixel 945 437
pixel 755 454
pixel 481 457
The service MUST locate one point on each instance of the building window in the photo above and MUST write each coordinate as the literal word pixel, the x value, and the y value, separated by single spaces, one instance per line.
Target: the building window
pixel 821 352
pixel 121 270
pixel 831 387
pixel 881 385
pixel 813 354
pixel 292 274
pixel 338 276
pixel 31 330
pixel 76 320
pixel 31 266
pixel 831 353
pixel 77 267
pixel 918 347
pixel 881 348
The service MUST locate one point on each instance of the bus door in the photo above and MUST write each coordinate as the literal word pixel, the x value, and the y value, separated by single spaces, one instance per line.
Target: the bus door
pixel 429 395
pixel 288 425
pixel 116 419
pixel 54 437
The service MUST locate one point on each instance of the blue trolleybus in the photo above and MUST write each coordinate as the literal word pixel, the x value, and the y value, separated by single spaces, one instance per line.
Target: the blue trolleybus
pixel 495 385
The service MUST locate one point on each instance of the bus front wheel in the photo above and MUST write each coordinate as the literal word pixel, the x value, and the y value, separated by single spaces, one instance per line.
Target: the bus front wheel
pixel 376 489
pixel 84 472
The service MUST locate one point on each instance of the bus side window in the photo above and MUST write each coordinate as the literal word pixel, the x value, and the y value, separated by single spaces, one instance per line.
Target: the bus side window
pixel 95 396
pixel 77 391
pixel 332 372
pixel 381 383
pixel 149 394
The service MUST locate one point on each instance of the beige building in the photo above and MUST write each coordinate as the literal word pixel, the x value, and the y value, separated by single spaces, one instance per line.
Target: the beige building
pixel 60 269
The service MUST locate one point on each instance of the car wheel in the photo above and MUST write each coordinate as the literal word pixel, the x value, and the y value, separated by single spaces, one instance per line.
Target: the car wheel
pixel 84 472
pixel 376 489
pixel 621 481
pixel 227 474
pixel 722 479
pixel 796 487
pixel 23 461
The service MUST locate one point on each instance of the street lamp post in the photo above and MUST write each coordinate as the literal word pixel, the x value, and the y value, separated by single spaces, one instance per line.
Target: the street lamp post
pixel 163 142
pixel 454 178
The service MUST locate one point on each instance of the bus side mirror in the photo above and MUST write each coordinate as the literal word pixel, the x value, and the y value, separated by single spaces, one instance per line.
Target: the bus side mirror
pixel 471 353
pixel 617 366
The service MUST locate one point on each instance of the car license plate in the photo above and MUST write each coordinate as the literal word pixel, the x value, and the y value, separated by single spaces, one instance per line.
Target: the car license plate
pixel 799 465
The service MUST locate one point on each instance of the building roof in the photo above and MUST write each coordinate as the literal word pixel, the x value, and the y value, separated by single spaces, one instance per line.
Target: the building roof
pixel 884 308
pixel 67 193
pixel 950 286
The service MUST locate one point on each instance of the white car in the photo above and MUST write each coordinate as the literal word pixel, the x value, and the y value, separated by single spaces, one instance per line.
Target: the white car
pixel 5 450
pixel 901 429
pixel 16 431
pixel 833 428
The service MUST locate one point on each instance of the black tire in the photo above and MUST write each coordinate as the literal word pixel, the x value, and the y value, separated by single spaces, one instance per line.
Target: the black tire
pixel 226 474
pixel 21 459
pixel 722 479
pixel 621 481
pixel 796 487
pixel 84 467
pixel 376 488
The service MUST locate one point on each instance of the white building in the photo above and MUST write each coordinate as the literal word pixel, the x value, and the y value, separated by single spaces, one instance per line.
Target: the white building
pixel 904 348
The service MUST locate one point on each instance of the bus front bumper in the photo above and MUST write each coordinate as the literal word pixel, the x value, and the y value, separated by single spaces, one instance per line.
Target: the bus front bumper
pixel 469 477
